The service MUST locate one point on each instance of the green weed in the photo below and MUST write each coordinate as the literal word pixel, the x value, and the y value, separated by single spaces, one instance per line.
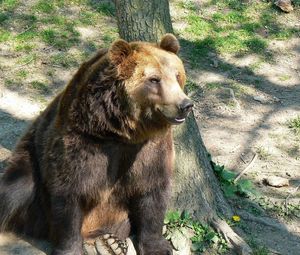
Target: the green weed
pixel 284 77
pixel 190 86
pixel 294 124
pixel 4 35
pixel 22 73
pixel 202 236
pixel 231 188
pixel 263 153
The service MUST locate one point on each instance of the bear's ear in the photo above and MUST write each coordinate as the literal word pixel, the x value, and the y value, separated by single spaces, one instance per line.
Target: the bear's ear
pixel 119 51
pixel 169 43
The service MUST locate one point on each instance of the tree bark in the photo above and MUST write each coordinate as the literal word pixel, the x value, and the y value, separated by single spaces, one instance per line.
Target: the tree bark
pixel 195 187
pixel 143 20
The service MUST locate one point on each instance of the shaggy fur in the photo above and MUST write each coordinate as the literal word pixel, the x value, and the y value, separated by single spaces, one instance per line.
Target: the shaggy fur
pixel 99 158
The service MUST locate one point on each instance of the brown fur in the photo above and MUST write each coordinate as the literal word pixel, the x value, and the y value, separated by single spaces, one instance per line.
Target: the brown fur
pixel 99 158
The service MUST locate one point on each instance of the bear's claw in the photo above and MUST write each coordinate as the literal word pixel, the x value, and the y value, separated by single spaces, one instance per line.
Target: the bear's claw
pixel 106 245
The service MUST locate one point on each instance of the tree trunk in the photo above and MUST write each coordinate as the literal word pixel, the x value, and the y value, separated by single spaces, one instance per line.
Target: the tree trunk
pixel 147 25
pixel 195 187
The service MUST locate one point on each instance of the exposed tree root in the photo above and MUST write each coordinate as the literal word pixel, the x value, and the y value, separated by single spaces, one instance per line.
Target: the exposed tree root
pixel 233 239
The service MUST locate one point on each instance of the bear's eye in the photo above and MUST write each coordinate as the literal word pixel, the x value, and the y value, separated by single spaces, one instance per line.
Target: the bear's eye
pixel 178 77
pixel 154 80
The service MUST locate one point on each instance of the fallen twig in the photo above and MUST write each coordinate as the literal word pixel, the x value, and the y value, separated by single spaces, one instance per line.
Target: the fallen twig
pixel 24 31
pixel 25 64
pixel 246 169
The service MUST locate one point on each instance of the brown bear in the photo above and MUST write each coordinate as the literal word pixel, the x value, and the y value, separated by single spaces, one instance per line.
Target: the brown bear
pixel 99 159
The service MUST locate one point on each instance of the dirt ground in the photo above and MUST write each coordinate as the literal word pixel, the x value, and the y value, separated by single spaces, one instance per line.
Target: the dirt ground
pixel 257 123
pixel 236 121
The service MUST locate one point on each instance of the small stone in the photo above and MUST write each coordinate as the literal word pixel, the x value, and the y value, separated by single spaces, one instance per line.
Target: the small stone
pixel 215 63
pixel 276 181
pixel 284 5
pixel 260 99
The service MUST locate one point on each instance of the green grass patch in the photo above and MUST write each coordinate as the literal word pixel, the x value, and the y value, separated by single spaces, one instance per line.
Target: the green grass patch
pixel 87 17
pixel 62 39
pixel 191 86
pixel 236 27
pixel 44 6
pixel 24 47
pixel 213 85
pixel 4 17
pixel 284 77
pixel 187 5
pixel 40 86
pixel 198 26
pixel 64 60
pixel 22 74
pixel 27 35
pixel 54 19
pixel 4 35
pixel 105 8
pixel 9 5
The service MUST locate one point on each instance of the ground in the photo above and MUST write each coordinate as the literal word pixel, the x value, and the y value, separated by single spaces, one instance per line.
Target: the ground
pixel 243 64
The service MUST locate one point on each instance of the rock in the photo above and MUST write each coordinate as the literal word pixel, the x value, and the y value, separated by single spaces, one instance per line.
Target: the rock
pixel 215 63
pixel 284 5
pixel 276 181
pixel 180 239
pixel 260 99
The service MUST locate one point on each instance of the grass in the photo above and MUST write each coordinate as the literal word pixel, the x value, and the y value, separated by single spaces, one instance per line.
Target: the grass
pixel 43 6
pixel 61 38
pixel 65 60
pixel 262 153
pixel 40 86
pixel 284 77
pixel 294 124
pixel 258 249
pixel 234 27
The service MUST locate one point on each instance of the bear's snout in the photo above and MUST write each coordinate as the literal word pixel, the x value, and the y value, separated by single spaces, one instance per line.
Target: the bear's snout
pixel 186 106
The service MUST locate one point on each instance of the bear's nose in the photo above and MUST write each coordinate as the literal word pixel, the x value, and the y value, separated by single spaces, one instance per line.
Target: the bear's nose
pixel 186 106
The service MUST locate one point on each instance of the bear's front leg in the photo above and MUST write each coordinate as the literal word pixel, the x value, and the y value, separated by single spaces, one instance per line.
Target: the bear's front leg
pixel 66 221
pixel 147 216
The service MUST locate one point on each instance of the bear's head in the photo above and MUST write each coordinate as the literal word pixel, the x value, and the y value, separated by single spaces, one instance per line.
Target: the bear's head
pixel 154 77
pixel 132 91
